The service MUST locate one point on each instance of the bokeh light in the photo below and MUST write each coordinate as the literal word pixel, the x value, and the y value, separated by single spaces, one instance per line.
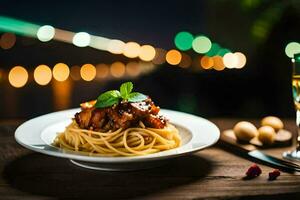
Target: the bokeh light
pixel 201 44
pixel 230 60
pixel 183 40
pixel 18 76
pixel 75 73
pixel 241 60
pixel 45 33
pixel 61 72
pixel 173 57
pixel 116 46
pixel 218 63
pixel 133 69
pixel 186 61
pixel 292 48
pixel 88 72
pixel 102 70
pixel 147 53
pixel 222 52
pixel 215 48
pixel 160 56
pixel 81 39
pixel 117 69
pixel 7 40
pixel 131 49
pixel 42 74
pixel 206 62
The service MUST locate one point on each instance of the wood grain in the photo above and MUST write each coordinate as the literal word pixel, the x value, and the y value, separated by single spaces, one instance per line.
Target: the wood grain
pixel 214 173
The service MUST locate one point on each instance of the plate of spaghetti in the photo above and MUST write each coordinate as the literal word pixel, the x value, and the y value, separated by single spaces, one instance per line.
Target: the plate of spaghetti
pixel 121 130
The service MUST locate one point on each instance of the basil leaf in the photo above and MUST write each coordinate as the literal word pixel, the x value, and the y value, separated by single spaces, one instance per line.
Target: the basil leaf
pixel 125 89
pixel 108 98
pixel 136 97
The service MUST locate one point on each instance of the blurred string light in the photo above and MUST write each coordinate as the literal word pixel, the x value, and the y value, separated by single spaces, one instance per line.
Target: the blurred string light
pixel 102 71
pixel 18 76
pixel 7 40
pixel 45 33
pixel 75 73
pixel 117 69
pixel 81 39
pixel 201 44
pixel 206 62
pixel 183 40
pixel 116 46
pixel 147 53
pixel 173 57
pixel 131 49
pixel 17 26
pixel 292 48
pixel 88 72
pixel 214 50
pixel 42 74
pixel 218 63
pixel 133 69
pixel 61 72
pixel 234 60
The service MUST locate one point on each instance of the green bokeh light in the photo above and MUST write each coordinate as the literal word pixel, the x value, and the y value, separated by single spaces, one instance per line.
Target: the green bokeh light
pixel 8 24
pixel 292 48
pixel 213 50
pixel 222 52
pixel 183 40
pixel 201 44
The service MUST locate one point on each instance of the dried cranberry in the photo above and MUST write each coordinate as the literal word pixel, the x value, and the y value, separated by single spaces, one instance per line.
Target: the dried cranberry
pixel 253 171
pixel 274 174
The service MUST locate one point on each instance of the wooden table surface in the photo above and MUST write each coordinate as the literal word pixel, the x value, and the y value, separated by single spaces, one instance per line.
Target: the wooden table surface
pixel 214 173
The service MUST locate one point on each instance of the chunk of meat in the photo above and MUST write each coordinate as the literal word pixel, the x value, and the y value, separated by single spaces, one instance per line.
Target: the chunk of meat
pixel 123 115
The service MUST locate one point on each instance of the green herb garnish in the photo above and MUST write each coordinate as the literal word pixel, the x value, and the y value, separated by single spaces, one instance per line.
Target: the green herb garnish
pixel 113 97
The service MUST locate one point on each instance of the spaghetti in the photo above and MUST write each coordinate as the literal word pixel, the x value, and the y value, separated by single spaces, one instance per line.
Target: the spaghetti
pixel 128 142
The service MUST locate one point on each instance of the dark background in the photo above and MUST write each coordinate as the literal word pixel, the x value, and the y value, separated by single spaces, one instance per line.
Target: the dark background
pixel 259 29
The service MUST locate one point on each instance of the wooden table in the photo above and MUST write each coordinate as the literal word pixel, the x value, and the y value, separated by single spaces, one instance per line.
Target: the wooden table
pixel 213 173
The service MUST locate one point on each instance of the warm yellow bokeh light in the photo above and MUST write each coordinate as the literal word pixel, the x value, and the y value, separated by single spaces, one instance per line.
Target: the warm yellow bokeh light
pixel 230 60
pixel 241 60
pixel 116 46
pixel 18 76
pixel 61 72
pixel 131 49
pixel 147 53
pixel 218 63
pixel 75 73
pixel 102 71
pixel 117 69
pixel 42 74
pixel 88 72
pixel 173 57
pixel 133 69
pixel 206 62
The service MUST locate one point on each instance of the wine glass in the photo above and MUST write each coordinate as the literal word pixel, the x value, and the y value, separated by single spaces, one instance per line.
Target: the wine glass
pixel 295 154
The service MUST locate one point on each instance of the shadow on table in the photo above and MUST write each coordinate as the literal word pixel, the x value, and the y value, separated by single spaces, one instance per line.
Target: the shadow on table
pixel 50 176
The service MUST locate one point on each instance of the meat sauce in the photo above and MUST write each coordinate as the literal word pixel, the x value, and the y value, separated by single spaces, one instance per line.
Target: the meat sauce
pixel 122 115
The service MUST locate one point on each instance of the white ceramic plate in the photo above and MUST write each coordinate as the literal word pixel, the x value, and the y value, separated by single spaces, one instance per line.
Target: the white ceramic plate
pixel 38 134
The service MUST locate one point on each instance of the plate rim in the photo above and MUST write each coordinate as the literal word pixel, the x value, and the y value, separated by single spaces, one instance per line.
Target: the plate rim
pixel 99 159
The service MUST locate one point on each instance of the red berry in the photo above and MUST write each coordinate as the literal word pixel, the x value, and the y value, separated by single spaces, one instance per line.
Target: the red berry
pixel 274 174
pixel 253 171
